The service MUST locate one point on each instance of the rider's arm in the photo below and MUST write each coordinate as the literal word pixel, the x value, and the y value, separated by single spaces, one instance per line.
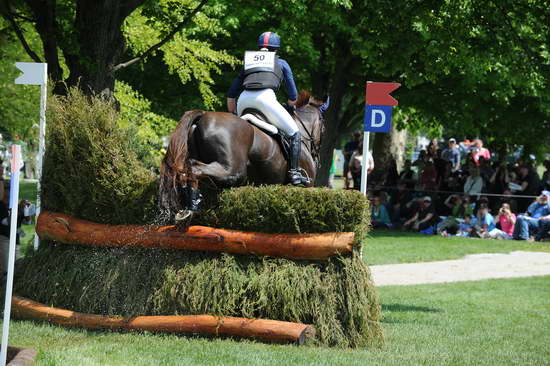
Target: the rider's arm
pixel 290 85
pixel 234 91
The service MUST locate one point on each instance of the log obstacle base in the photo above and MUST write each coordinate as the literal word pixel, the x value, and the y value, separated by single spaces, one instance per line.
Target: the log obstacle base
pixel 272 330
pixel 69 230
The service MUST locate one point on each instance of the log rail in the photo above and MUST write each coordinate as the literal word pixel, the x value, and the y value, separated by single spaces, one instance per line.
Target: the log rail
pixel 273 330
pixel 69 230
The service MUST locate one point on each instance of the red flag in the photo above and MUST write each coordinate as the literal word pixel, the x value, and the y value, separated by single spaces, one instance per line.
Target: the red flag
pixel 379 93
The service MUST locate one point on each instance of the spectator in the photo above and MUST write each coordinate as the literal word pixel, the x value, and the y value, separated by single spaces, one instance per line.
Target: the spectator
pixel 544 230
pixel 485 169
pixel 506 220
pixel 474 183
pixel 421 161
pixel 428 177
pixel 545 183
pixel 479 151
pixel 424 219
pixel 485 221
pixel 452 155
pixel 432 149
pixel 399 200
pixel 500 178
pixel 349 149
pixel 458 209
pixel 391 175
pixel 407 175
pixel 466 227
pixel 380 219
pixel 528 224
pixel 530 185
pixel 356 163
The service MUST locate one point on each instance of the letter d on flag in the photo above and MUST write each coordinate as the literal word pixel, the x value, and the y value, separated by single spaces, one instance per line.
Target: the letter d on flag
pixel 33 73
pixel 378 118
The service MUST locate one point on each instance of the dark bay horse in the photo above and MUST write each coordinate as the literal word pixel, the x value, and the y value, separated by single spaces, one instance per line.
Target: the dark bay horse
pixel 223 150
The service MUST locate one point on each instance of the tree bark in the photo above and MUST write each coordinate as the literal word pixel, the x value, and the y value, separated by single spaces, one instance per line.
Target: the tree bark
pixel 333 116
pixel 92 50
pixel 68 230
pixel 388 146
pixel 204 324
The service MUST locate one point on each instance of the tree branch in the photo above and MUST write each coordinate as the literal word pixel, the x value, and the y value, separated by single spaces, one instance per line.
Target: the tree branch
pixel 170 35
pixel 8 16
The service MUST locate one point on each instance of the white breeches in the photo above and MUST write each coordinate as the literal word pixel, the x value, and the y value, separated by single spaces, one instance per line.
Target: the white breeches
pixel 266 102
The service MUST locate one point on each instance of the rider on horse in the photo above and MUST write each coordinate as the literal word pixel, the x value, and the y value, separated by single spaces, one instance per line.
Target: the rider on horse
pixel 255 87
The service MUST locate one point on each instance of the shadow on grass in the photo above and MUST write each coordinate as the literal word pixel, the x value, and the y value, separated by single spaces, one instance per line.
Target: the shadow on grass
pixel 396 308
pixel 403 308
pixel 395 234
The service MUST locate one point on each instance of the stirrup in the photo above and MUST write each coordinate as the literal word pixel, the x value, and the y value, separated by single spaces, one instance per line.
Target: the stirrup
pixel 297 178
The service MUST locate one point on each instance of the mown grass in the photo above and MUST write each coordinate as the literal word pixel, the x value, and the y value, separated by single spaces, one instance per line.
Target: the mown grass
pixel 387 247
pixel 493 322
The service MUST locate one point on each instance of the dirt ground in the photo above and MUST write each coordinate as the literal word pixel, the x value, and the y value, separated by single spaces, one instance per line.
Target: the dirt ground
pixel 470 268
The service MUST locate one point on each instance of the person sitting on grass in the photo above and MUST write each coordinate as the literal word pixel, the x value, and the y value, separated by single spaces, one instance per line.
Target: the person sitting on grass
pixel 485 222
pixel 466 227
pixel 529 223
pixel 380 219
pixel 458 210
pixel 424 219
pixel 506 219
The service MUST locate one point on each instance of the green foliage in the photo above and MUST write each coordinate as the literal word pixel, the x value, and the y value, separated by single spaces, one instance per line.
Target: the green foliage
pixel 190 55
pixel 337 296
pixel 90 168
pixel 19 104
pixel 285 209
pixel 147 127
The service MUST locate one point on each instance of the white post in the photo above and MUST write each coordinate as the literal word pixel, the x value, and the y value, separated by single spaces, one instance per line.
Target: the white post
pixel 365 162
pixel 37 74
pixel 14 203
pixel 41 150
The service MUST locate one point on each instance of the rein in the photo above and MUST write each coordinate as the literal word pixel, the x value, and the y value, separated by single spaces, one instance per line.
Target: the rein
pixel 314 149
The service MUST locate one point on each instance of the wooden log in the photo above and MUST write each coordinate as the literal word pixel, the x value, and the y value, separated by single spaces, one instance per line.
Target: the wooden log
pixel 274 330
pixel 69 230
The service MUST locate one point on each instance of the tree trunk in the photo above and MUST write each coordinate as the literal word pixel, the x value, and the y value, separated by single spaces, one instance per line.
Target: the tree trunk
pixel 333 119
pixel 92 51
pixel 388 146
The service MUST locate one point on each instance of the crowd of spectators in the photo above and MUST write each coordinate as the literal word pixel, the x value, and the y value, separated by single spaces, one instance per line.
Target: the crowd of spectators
pixel 461 189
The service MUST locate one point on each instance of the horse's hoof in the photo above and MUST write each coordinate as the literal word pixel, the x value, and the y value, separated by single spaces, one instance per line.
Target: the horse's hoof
pixel 183 219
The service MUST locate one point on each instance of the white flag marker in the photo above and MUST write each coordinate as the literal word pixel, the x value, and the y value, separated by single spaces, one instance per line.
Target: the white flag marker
pixel 37 74
pixel 33 73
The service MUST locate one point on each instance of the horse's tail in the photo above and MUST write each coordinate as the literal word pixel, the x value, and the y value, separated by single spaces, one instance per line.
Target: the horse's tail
pixel 175 169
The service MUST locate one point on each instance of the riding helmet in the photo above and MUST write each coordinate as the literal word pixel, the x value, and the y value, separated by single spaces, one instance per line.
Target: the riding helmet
pixel 269 40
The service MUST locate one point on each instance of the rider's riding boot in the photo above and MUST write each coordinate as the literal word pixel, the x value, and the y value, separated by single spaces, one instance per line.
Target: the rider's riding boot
pixel 294 174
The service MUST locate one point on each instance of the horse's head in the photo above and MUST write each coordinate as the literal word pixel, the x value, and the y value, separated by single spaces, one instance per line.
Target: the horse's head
pixel 311 125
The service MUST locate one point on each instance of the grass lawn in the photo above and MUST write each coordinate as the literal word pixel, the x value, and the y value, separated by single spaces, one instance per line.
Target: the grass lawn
pixel 387 247
pixel 493 322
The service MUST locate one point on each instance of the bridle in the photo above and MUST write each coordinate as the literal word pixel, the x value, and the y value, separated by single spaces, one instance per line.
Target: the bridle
pixel 314 148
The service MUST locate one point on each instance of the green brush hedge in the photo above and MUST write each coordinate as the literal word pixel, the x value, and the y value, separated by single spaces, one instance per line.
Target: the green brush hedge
pixel 336 296
pixel 285 209
pixel 91 171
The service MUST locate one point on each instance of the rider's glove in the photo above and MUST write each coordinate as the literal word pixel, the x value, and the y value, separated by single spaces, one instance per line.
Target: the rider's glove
pixel 290 108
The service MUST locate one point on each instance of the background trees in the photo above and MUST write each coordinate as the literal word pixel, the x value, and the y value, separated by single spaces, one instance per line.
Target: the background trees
pixel 474 68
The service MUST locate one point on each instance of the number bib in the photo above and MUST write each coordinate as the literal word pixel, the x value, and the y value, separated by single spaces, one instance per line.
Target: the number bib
pixel 263 59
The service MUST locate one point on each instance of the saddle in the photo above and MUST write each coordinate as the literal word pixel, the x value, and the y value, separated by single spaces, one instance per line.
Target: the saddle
pixel 259 120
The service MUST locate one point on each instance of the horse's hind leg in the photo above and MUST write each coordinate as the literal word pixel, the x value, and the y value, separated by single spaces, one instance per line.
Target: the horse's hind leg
pixel 217 173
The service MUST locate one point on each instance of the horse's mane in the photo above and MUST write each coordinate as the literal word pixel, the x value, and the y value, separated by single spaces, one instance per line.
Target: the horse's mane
pixel 303 99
